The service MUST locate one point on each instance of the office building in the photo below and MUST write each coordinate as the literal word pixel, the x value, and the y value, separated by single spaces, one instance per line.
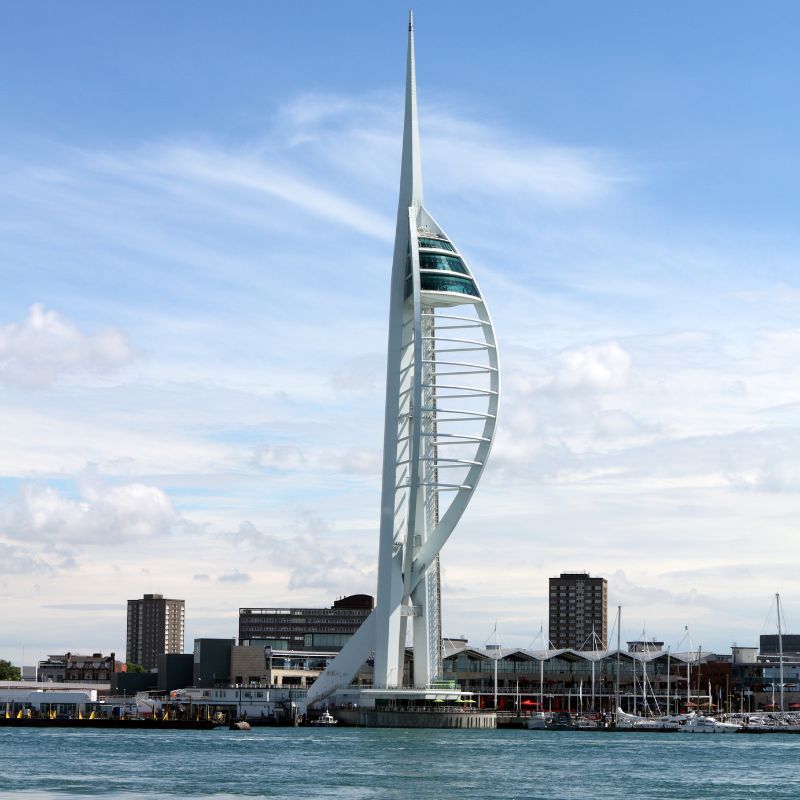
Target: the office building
pixel 770 644
pixel 578 611
pixel 305 628
pixel 155 626
pixel 175 671
pixel 212 662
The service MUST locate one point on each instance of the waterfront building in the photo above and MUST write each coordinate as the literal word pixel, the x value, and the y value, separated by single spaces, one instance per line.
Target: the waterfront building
pixel 650 681
pixel 155 626
pixel 130 683
pixel 770 644
pixel 265 666
pixel 221 663
pixel 212 662
pixel 77 668
pixel 65 699
pixel 564 679
pixel 645 646
pixel 305 628
pixel 237 702
pixel 578 611
pixel 442 390
pixel 175 671
pixel 249 665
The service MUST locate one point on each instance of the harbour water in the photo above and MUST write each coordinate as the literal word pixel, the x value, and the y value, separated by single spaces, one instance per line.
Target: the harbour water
pixel 362 764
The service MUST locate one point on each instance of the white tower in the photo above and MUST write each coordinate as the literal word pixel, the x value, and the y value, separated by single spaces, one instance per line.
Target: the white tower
pixel 442 386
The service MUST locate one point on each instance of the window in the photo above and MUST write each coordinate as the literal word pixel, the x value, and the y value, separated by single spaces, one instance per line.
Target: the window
pixel 441 244
pixel 448 283
pixel 441 262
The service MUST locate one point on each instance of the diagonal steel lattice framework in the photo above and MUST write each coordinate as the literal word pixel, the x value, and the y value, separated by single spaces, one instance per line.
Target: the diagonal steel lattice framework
pixel 442 390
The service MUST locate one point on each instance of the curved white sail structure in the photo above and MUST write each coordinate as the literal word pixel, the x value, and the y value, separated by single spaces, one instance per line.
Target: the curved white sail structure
pixel 442 390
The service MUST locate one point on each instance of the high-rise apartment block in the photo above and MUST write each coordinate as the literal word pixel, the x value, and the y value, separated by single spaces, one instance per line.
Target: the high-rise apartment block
pixel 578 611
pixel 155 626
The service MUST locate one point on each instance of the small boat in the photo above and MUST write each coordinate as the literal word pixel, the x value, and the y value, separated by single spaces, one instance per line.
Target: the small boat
pixel 702 724
pixel 536 722
pixel 326 719
pixel 562 721
pixel 633 722
pixel 241 725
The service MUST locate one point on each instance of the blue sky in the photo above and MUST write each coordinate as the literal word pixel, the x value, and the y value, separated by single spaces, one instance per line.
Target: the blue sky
pixel 196 217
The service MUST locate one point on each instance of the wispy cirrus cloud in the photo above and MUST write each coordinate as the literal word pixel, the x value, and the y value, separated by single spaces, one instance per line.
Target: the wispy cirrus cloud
pixel 234 577
pixel 460 153
pixel 249 171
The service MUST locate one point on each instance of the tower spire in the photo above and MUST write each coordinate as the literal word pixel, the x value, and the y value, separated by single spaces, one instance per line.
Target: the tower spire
pixel 411 168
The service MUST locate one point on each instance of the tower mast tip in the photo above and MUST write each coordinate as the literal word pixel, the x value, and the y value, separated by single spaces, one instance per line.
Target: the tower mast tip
pixel 410 20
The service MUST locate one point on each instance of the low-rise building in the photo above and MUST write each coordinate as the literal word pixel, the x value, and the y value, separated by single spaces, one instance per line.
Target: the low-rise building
pixel 649 680
pixel 65 699
pixel 260 666
pixel 77 668
pixel 240 702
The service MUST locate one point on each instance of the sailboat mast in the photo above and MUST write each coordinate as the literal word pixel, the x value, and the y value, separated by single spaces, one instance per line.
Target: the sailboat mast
pixel 668 676
pixel 619 645
pixel 689 675
pixel 541 671
pixel 780 644
pixel 699 663
pixel 496 656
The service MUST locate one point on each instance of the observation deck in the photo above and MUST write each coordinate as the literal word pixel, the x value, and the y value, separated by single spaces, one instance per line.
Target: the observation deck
pixel 444 277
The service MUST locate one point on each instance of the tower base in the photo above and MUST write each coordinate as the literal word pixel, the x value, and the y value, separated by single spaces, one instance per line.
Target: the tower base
pixel 415 718
pixel 437 706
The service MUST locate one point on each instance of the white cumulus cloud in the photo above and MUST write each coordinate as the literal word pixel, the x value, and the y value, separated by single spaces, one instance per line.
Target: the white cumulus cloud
pixel 102 514
pixel 595 368
pixel 46 346
pixel 312 556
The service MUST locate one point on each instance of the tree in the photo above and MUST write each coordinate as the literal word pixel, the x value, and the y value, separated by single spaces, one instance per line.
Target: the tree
pixel 8 672
pixel 134 667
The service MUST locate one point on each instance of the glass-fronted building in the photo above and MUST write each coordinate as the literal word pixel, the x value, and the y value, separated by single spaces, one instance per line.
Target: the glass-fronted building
pixel 326 629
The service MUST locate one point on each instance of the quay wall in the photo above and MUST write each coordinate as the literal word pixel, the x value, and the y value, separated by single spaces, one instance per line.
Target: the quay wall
pixel 374 718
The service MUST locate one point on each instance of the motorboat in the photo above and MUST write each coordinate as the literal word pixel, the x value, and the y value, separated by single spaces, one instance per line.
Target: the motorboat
pixel 561 721
pixel 536 722
pixel 627 722
pixel 326 719
pixel 703 724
